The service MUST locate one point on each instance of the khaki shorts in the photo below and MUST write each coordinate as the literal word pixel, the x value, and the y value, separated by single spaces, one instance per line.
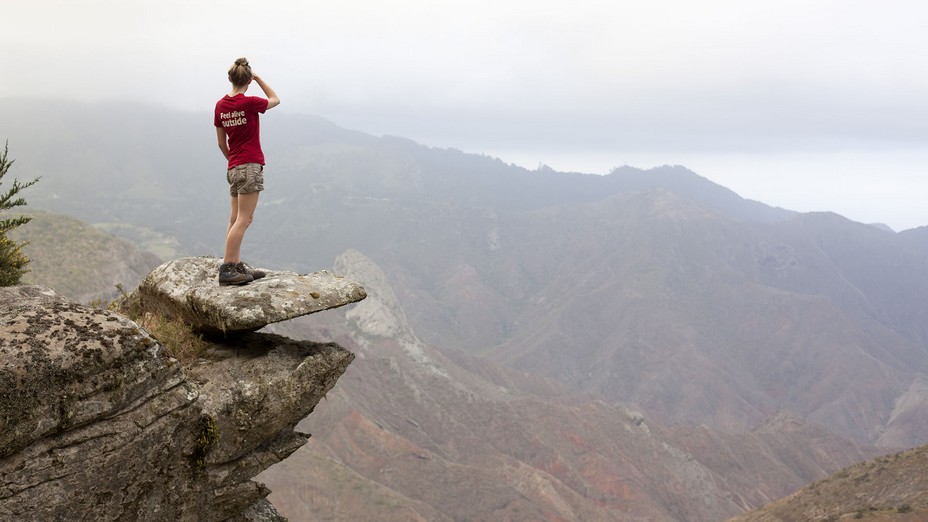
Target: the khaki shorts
pixel 246 178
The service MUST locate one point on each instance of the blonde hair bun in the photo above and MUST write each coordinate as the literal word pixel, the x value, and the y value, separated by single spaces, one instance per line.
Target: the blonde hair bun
pixel 240 73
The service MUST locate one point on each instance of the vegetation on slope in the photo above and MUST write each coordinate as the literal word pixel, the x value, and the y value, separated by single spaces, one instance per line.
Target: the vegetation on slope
pixel 12 260
pixel 893 487
pixel 79 261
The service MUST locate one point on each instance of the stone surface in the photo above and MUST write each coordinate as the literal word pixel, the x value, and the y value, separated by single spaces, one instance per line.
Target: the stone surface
pixel 63 365
pixel 188 288
pixel 96 420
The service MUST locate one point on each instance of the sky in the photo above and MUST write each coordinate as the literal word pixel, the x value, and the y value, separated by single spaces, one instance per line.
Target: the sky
pixel 809 105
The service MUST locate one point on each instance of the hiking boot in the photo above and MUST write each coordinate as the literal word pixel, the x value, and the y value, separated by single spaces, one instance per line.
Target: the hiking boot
pixel 242 268
pixel 229 275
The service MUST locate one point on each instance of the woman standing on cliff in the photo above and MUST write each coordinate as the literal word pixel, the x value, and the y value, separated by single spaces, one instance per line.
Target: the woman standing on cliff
pixel 239 135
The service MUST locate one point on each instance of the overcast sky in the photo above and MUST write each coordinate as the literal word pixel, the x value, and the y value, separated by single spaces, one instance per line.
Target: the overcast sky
pixel 808 105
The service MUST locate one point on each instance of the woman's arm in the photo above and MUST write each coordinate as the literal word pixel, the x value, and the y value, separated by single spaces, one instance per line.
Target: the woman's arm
pixel 223 144
pixel 272 99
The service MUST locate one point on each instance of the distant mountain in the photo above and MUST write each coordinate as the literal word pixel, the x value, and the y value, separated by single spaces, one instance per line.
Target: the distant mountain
pixel 656 301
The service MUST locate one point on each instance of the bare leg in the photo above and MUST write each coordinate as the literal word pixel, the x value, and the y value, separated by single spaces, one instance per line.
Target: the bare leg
pixel 233 215
pixel 243 212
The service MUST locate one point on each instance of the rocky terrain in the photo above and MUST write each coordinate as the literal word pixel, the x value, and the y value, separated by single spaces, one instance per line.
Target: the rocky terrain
pixel 186 290
pixel 891 488
pixel 99 422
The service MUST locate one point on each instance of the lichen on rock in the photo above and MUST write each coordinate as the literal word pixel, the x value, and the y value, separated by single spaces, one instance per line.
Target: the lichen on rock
pixel 97 419
pixel 188 289
pixel 63 365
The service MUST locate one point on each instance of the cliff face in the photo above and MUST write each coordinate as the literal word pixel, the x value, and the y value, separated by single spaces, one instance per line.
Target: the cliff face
pixel 98 423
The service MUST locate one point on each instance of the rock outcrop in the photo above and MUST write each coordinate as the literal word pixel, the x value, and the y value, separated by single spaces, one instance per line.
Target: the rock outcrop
pixel 98 423
pixel 187 289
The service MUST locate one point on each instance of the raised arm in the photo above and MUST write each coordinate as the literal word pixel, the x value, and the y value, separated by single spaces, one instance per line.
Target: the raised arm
pixel 272 99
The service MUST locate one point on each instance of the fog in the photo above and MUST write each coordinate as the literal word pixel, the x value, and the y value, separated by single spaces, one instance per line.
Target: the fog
pixel 809 105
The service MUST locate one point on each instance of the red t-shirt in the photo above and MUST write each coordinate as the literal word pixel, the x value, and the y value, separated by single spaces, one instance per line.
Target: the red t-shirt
pixel 238 115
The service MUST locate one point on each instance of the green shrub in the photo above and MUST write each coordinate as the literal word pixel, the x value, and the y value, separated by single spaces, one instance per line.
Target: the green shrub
pixel 12 260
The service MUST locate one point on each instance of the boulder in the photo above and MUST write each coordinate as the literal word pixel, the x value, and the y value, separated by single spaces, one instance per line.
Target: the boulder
pixel 98 423
pixel 188 289
pixel 63 364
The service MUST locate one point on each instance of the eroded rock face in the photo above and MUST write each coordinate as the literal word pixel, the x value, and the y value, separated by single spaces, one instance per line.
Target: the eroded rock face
pixel 188 289
pixel 63 365
pixel 97 423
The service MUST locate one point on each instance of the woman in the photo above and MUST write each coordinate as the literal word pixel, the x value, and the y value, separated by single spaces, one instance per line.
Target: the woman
pixel 239 136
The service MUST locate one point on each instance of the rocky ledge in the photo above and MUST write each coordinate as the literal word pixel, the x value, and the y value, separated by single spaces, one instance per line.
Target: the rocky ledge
pixel 98 423
pixel 188 289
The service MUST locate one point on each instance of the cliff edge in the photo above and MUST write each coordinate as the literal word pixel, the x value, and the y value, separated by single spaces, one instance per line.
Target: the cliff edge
pixel 187 289
pixel 98 422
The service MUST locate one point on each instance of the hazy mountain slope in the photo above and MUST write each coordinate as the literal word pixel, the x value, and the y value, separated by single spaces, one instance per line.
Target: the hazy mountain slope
pixel 79 261
pixel 487 458
pixel 478 442
pixel 890 488
pixel 667 305
pixel 779 455
pixel 315 485
pixel 888 270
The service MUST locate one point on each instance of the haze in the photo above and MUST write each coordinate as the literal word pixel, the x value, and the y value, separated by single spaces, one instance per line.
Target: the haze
pixel 808 105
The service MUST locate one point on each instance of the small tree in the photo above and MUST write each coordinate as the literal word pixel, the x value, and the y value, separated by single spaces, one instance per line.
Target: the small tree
pixel 12 260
